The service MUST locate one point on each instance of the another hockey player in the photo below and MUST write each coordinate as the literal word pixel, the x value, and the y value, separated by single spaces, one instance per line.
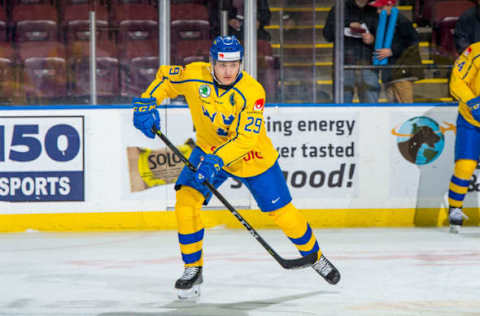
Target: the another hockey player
pixel 465 87
pixel 226 105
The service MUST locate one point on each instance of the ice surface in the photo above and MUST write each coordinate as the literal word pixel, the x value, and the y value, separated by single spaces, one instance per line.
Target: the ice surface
pixel 407 271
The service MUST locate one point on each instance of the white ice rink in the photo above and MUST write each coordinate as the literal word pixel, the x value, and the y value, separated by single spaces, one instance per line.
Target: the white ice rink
pixel 384 272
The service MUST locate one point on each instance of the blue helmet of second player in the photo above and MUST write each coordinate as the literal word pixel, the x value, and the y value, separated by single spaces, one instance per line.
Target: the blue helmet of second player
pixel 226 48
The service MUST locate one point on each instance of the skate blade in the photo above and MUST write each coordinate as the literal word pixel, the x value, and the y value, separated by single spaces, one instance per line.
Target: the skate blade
pixel 454 229
pixel 186 294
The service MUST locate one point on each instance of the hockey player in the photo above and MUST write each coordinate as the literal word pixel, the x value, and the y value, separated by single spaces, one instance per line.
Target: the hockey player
pixel 226 105
pixel 465 87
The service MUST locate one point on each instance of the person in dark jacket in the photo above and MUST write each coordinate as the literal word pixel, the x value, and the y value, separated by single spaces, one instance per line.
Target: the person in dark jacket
pixel 404 52
pixel 235 9
pixel 467 28
pixel 359 28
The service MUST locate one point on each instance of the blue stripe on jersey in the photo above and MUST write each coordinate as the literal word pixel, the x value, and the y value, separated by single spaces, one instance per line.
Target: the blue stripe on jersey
pixel 304 239
pixel 460 182
pixel 186 239
pixel 238 124
pixel 190 80
pixel 158 85
pixel 470 66
pixel 192 257
pixel 314 249
pixel 456 196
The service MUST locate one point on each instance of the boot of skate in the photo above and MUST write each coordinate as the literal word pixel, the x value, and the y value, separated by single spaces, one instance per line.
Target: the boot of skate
pixel 188 285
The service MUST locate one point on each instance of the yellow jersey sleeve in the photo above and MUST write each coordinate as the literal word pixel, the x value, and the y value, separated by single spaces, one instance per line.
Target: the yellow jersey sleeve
pixel 248 126
pixel 162 87
pixel 464 74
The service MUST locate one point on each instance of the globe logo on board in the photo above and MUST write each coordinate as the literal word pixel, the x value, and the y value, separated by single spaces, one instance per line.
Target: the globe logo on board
pixel 421 139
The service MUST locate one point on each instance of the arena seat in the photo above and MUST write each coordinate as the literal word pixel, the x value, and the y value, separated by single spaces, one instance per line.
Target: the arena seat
pixel 43 69
pixel 189 21
pixel 192 50
pixel 423 11
pixel 107 64
pixel 267 74
pixel 75 2
pixel 34 22
pixel 150 2
pixel 76 22
pixel 449 10
pixel 28 2
pixel 135 21
pixel 445 15
pixel 8 73
pixel 132 30
pixel 3 24
pixel 139 63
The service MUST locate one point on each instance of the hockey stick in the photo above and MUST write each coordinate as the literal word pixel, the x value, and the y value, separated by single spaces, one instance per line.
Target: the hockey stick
pixel 302 262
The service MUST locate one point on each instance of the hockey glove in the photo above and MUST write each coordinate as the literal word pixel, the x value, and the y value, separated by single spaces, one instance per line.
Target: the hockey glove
pixel 474 105
pixel 145 115
pixel 208 168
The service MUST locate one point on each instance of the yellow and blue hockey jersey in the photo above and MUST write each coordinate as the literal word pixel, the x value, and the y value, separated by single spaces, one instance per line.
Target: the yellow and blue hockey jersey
pixel 465 80
pixel 228 123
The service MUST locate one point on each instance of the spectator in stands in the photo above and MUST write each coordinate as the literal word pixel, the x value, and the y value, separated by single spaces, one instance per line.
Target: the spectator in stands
pixel 467 28
pixel 359 26
pixel 235 9
pixel 404 52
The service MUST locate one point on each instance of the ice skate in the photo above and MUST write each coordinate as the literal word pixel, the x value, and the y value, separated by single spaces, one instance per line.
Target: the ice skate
pixel 455 218
pixel 188 286
pixel 327 270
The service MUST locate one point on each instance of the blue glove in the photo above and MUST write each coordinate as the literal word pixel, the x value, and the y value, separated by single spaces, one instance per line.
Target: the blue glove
pixel 208 168
pixel 474 105
pixel 145 115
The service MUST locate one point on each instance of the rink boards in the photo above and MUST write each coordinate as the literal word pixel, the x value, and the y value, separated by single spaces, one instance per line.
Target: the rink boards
pixel 87 168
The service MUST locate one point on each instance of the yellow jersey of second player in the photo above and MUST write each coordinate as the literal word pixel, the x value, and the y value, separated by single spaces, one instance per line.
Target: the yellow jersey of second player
pixel 228 122
pixel 465 80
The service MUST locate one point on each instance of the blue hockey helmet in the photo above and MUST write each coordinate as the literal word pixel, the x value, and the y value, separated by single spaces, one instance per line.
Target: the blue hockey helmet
pixel 226 48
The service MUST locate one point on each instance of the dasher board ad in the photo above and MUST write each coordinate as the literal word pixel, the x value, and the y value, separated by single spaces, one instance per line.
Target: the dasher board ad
pixel 318 148
pixel 42 158
pixel 318 153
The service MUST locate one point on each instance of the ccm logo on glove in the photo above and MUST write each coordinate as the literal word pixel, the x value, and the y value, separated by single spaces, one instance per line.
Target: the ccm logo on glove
pixel 145 108
pixel 145 115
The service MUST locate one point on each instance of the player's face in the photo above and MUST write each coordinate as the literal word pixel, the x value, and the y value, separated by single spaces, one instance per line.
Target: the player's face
pixel 226 71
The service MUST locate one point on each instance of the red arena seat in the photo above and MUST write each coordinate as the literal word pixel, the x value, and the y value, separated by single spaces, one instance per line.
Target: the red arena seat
pixel 135 21
pixel 189 21
pixel 267 74
pixel 445 15
pixel 423 11
pixel 449 10
pixel 3 24
pixel 107 73
pixel 28 2
pixel 76 22
pixel 44 69
pixel 150 2
pixel 132 30
pixel 139 65
pixel 8 74
pixel 190 51
pixel 34 22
